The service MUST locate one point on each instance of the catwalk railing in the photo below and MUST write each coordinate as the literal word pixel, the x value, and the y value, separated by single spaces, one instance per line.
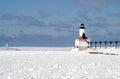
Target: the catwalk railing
pixel 105 44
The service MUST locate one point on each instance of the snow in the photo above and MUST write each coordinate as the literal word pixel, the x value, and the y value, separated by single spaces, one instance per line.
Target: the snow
pixel 58 63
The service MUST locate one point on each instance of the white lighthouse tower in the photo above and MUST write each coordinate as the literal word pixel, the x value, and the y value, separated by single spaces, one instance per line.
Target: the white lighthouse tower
pixel 81 30
pixel 81 42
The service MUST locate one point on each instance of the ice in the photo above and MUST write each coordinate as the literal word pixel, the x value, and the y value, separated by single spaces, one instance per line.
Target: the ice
pixel 58 63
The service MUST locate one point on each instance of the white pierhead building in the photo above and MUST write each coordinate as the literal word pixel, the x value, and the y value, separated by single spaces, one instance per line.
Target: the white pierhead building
pixel 81 42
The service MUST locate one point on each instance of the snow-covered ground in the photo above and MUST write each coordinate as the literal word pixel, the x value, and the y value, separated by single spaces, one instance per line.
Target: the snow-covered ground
pixel 58 63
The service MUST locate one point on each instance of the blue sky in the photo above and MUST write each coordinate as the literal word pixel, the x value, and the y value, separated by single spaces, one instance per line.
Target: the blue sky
pixel 56 22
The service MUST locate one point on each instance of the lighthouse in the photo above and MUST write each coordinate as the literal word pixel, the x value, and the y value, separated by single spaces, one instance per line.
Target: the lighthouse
pixel 81 30
pixel 81 42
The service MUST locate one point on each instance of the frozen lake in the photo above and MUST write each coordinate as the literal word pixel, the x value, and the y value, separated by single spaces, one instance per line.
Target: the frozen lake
pixel 60 63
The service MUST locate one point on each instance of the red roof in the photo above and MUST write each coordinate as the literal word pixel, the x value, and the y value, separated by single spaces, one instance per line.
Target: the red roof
pixel 80 38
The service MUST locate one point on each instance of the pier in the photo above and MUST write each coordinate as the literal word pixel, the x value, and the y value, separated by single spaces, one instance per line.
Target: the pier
pixel 105 44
